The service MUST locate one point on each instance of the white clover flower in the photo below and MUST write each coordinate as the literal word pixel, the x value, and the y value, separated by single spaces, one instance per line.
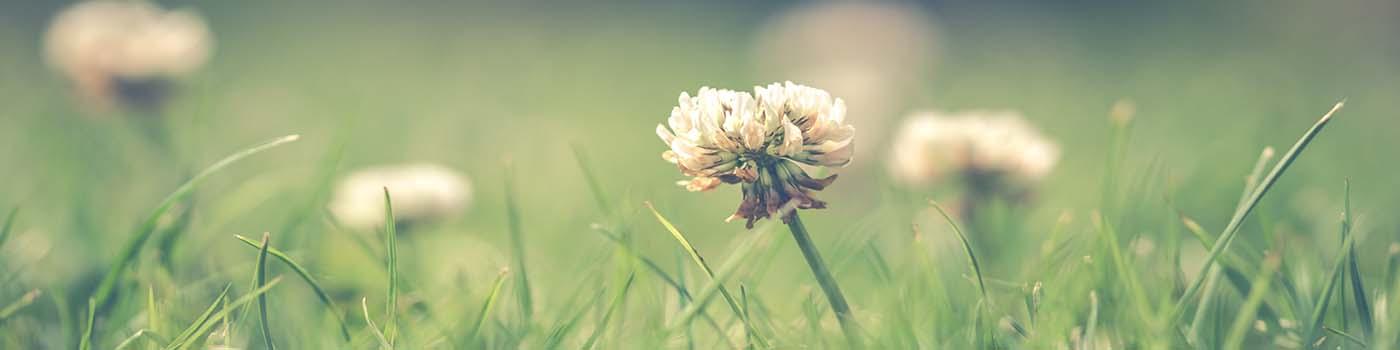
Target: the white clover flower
pixel 421 193
pixel 726 136
pixel 114 48
pixel 985 148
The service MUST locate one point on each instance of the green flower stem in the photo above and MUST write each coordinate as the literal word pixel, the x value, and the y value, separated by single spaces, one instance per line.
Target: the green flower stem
pixel 824 278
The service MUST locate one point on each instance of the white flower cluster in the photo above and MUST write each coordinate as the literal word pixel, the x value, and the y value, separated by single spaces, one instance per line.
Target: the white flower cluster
pixel 421 193
pixel 991 145
pixel 725 136
pixel 98 44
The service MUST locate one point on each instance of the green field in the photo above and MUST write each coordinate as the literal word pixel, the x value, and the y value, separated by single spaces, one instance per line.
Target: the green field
pixel 113 235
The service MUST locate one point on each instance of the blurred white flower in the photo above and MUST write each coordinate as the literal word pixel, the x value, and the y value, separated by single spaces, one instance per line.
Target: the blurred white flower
pixel 421 193
pixel 983 148
pixel 125 50
pixel 726 136
pixel 872 54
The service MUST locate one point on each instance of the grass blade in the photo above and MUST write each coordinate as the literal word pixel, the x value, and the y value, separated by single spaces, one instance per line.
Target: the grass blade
pixel 1333 279
pixel 85 343
pixel 203 327
pixel 383 342
pixel 487 305
pixel 261 272
pixel 1091 326
pixel 21 303
pixel 201 320
pixel 607 315
pixel 656 269
pixel 1249 312
pixel 153 319
pixel 716 283
pixel 1348 337
pixel 306 276
pixel 1363 306
pixel 9 225
pixel 392 247
pixel 1245 208
pixel 967 248
pixel 107 286
pixel 517 242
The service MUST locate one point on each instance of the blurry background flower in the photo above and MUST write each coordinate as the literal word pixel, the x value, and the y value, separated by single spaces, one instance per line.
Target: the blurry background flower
pixel 989 151
pixel 422 193
pixel 125 53
pixel 874 55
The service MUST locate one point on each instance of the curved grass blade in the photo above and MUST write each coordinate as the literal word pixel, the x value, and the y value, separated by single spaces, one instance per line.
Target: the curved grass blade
pixel 1250 310
pixel 107 286
pixel 1243 210
pixel 967 248
pixel 201 320
pixel 86 342
pixel 261 272
pixel 716 282
pixel 203 327
pixel 607 315
pixel 306 276
pixel 487 306
pixel 383 342
pixel 659 272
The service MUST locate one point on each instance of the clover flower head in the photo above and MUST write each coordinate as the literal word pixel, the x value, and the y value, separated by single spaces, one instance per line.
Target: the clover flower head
pixel 421 193
pixel 115 50
pixel 990 150
pixel 761 141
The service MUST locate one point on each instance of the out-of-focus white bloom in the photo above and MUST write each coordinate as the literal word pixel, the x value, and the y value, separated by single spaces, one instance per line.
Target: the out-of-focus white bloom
pixel 872 54
pixel 726 136
pixel 103 45
pixel 421 193
pixel 971 146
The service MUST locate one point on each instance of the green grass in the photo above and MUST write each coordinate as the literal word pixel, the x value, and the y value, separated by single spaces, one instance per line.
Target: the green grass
pixel 570 99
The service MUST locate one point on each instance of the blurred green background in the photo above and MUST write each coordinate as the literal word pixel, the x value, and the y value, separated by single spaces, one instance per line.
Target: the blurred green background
pixel 475 85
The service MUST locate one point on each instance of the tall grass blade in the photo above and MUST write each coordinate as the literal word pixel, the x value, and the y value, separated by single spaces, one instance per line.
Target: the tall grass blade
pixel 85 343
pixel 306 276
pixel 618 298
pixel 1319 311
pixel 1363 306
pixel 486 306
pixel 967 249
pixel 1092 325
pixel 108 284
pixel 523 293
pixel 261 272
pixel 391 246
pixel 1250 310
pixel 656 269
pixel 202 319
pixel 716 280
pixel 203 327
pixel 1246 207
pixel 590 178
pixel 153 319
